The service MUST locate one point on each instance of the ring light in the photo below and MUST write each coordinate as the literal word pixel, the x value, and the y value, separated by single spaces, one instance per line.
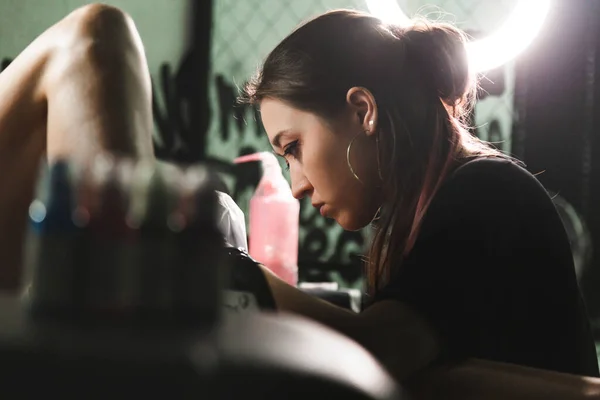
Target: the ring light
pixel 505 44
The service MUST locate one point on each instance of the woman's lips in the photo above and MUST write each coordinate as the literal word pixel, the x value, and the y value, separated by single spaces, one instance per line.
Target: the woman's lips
pixel 321 208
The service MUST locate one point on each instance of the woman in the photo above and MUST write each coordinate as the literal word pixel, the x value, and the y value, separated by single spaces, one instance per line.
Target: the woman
pixel 469 257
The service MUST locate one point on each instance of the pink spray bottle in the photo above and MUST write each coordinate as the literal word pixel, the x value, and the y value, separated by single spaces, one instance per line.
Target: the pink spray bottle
pixel 274 220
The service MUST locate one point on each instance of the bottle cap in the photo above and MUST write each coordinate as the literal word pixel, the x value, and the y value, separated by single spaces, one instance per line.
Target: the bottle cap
pixel 273 182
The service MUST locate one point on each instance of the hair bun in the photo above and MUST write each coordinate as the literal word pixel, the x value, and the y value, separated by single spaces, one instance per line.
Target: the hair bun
pixel 439 49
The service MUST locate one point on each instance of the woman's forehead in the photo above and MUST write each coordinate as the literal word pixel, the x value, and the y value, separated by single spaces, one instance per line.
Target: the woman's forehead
pixel 278 116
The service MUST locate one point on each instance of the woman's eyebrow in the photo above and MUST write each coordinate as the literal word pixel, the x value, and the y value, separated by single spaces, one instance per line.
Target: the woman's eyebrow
pixel 276 142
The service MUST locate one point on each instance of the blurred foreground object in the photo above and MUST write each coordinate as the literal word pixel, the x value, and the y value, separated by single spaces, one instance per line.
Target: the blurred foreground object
pixel 130 272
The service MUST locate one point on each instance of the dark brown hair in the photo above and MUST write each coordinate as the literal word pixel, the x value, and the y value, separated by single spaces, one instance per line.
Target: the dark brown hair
pixel 420 78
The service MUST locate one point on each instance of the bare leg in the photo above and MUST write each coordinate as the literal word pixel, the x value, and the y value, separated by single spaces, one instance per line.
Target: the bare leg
pixel 80 87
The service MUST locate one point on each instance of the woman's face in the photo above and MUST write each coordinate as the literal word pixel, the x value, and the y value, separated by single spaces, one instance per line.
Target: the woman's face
pixel 315 151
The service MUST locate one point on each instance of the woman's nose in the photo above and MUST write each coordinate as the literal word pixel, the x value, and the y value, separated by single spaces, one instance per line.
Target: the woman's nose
pixel 300 185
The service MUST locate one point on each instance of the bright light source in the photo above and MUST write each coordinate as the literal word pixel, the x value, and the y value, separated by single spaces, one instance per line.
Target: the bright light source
pixel 388 11
pixel 509 41
pixel 512 38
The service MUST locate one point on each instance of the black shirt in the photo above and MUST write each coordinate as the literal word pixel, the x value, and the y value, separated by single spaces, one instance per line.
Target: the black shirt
pixel 492 270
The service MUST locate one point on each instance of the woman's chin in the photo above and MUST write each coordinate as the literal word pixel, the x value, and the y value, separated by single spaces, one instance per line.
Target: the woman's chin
pixel 350 224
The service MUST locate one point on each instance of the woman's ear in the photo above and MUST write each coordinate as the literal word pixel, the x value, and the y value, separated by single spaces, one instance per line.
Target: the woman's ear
pixel 362 103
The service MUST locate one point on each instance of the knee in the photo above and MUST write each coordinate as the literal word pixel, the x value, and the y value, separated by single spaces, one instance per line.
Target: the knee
pixel 100 27
pixel 99 20
pixel 95 37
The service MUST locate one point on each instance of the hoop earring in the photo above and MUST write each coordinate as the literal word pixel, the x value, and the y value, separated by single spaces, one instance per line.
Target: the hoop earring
pixel 348 159
pixel 377 216
pixel 393 134
pixel 378 162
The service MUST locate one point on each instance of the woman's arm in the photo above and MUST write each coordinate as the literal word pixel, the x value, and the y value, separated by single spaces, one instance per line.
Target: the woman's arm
pixel 397 336
pixel 480 379
pixel 404 344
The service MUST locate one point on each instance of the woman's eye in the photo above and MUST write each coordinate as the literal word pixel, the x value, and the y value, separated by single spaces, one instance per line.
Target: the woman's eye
pixel 290 150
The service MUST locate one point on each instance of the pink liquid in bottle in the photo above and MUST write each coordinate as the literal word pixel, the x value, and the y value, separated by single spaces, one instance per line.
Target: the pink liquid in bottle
pixel 274 220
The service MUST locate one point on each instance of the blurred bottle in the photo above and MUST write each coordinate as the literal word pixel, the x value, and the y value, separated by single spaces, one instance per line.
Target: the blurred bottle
pixel 201 265
pixel 274 220
pixel 51 240
pixel 108 262
pixel 152 201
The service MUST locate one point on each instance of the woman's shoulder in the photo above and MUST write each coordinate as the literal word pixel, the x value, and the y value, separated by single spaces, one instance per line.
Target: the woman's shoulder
pixel 491 168
pixel 491 177
pixel 494 195
pixel 489 188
